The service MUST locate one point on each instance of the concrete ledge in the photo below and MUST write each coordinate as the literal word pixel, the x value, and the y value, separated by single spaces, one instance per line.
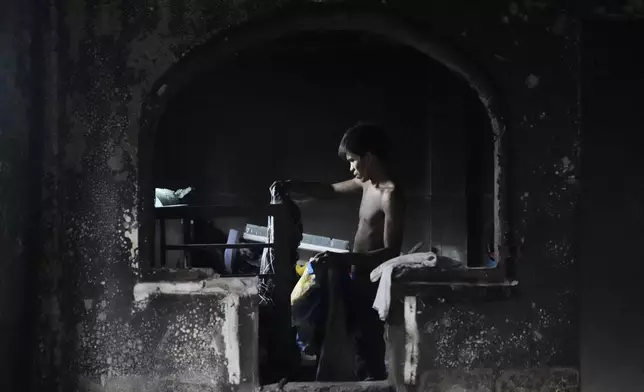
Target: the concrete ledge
pixel 456 380
pixel 238 286
pixel 542 380
pixel 373 386
pixel 178 275
pixel 143 384
pixel 189 336
pixel 493 380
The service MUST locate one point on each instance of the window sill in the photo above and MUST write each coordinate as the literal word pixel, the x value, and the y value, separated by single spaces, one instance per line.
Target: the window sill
pixel 465 284
pixel 496 275
pixel 177 275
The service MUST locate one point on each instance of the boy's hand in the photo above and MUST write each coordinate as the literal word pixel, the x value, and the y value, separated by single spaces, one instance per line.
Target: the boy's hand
pixel 280 186
pixel 328 258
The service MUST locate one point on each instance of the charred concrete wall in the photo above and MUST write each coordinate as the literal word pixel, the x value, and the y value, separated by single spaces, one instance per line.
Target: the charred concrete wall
pixel 195 335
pixel 102 60
pixel 612 197
pixel 105 57
pixel 15 106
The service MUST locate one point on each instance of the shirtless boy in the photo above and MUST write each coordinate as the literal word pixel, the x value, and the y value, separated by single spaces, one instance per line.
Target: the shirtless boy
pixel 378 238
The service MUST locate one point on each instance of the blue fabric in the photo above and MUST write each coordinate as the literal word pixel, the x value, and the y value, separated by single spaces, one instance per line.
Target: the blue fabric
pixel 309 312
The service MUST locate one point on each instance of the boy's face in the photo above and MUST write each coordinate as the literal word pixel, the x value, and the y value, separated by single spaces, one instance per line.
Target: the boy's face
pixel 359 166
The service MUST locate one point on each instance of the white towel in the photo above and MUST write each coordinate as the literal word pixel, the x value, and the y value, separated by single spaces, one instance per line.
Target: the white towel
pixel 384 271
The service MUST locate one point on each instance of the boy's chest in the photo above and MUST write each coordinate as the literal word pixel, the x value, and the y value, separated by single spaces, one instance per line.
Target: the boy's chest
pixel 371 205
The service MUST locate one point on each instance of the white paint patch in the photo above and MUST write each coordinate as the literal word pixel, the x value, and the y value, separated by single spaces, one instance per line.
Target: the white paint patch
pixel 131 226
pixel 238 286
pixel 231 337
pixel 115 162
pixel 133 236
pixel 532 81
pixel 411 341
pixel 567 164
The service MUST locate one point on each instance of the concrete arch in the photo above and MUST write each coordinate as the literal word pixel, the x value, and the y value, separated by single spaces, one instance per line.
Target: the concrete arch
pixel 218 48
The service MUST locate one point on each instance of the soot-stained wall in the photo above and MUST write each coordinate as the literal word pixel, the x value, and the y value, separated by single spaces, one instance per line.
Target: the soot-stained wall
pixel 190 335
pixel 15 94
pixel 612 207
pixel 102 61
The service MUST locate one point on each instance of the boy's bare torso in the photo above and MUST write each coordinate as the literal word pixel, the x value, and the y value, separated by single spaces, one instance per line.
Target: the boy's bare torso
pixel 370 233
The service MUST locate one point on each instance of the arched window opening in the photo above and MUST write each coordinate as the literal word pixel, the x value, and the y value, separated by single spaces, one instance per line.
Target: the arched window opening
pixel 241 112
pixel 278 111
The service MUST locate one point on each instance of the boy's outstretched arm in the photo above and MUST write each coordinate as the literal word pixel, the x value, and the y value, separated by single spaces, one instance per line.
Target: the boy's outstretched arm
pixel 320 190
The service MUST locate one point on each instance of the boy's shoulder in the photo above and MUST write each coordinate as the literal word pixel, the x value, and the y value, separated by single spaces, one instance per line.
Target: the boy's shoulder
pixel 392 193
pixel 390 187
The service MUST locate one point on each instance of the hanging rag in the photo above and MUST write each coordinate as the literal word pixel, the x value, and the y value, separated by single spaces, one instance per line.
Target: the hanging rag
pixel 278 195
pixel 384 271
pixel 281 355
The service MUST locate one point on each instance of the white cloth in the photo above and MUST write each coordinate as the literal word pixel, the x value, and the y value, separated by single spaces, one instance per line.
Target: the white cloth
pixel 384 271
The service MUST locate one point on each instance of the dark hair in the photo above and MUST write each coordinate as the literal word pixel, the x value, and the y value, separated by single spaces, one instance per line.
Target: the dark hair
pixel 363 138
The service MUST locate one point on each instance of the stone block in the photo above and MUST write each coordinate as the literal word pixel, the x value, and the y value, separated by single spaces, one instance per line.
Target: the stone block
pixel 538 380
pixel 448 380
pixel 187 336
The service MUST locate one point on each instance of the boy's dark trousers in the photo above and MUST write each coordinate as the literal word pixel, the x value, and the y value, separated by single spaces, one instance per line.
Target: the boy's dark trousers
pixel 366 328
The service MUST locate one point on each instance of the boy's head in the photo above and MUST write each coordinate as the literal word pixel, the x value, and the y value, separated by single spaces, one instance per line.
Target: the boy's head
pixel 365 147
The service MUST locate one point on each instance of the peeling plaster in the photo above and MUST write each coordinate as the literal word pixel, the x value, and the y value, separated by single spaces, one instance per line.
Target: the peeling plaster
pixel 131 226
pixel 238 286
pixel 411 341
pixel 231 337
pixel 532 81
pixel 567 165
pixel 115 162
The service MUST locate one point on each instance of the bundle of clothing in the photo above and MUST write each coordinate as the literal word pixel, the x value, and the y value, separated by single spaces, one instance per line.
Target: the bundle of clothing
pixel 276 360
pixel 280 196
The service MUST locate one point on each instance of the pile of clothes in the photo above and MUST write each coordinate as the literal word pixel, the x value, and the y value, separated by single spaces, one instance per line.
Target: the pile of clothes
pixel 276 361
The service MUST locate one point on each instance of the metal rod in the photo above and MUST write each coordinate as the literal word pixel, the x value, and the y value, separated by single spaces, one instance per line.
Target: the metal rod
pixel 163 255
pixel 218 246
pixel 303 245
pixel 247 276
pixel 214 211
pixel 187 238
pixel 507 283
